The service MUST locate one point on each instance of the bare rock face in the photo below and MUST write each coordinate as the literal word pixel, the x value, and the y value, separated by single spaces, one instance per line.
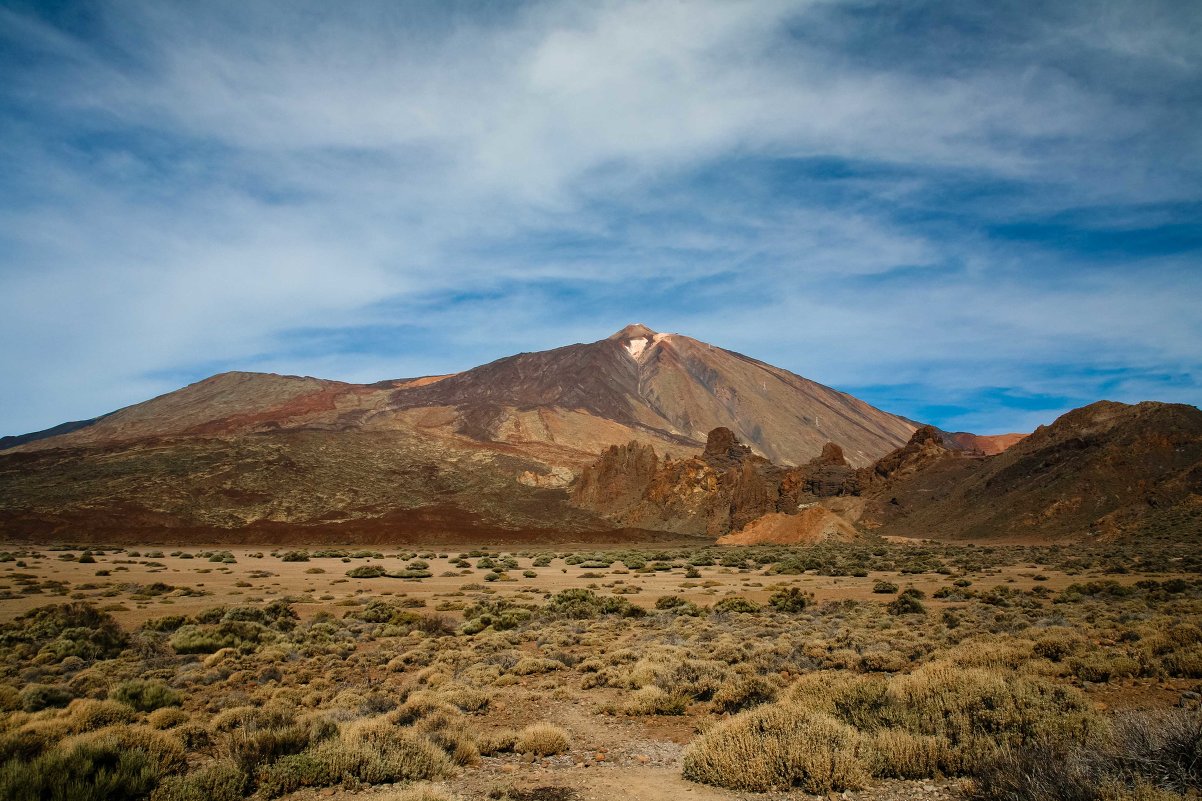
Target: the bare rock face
pixel 618 479
pixel 831 454
pixel 723 489
pixel 828 475
pixel 723 449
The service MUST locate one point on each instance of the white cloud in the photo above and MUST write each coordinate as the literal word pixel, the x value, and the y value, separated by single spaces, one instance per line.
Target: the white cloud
pixel 199 180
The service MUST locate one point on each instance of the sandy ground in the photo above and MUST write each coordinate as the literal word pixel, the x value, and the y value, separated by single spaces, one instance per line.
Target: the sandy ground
pixel 244 582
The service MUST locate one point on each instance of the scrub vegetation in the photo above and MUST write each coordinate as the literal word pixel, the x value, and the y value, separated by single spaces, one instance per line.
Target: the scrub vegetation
pixel 996 672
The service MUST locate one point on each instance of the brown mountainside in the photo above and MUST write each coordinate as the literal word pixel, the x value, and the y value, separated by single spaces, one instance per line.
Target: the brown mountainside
pixel 490 449
pixel 1104 470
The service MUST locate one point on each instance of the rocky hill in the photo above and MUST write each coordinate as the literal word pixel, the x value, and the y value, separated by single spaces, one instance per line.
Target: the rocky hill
pixel 1102 471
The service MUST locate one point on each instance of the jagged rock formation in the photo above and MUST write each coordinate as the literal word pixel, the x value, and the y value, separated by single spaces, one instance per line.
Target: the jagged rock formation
pixel 618 479
pixel 721 490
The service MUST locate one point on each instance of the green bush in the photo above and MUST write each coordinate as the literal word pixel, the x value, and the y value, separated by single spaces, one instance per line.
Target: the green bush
pixel 582 604
pixel 145 696
pixel 677 606
pixel 789 599
pixel 366 571
pixel 372 751
pixel 35 697
pixel 62 630
pixel 736 604
pixel 500 614
pixel 908 603
pixel 220 780
pixel 100 769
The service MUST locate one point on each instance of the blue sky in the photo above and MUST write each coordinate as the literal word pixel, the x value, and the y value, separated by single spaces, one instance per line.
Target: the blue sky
pixel 974 214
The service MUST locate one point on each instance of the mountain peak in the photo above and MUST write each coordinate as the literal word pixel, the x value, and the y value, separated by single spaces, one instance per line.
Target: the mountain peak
pixel 632 331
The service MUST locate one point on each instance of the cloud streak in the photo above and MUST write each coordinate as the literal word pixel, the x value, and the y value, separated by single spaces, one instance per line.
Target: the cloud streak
pixel 925 203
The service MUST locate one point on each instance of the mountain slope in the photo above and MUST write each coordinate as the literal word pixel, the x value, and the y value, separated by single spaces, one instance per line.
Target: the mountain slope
pixel 1104 470
pixel 564 405
pixel 490 449
pixel 667 387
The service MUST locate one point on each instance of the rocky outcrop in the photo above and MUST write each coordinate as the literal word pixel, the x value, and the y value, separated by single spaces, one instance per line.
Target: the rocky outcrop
pixel 723 450
pixel 723 489
pixel 618 479
pixel 925 447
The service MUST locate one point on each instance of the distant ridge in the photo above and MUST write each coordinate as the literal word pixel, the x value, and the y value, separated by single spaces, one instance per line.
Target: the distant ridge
pixel 54 431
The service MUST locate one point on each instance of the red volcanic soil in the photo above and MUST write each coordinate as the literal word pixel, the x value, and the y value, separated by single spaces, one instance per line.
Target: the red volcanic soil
pixel 429 525
pixel 988 444
pixel 323 400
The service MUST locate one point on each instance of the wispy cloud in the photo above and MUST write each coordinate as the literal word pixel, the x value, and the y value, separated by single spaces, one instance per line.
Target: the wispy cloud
pixel 952 209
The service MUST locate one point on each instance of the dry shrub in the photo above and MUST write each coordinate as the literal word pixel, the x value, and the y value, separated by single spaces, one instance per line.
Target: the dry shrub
pixel 940 719
pixel 1144 757
pixel 446 730
pixel 467 699
pixel 1056 644
pixel 86 769
pixel 31 739
pixel 902 755
pixel 778 747
pixel 10 699
pixel 531 664
pixel 743 693
pixel 652 700
pixel 993 653
pixel 422 792
pixel 695 678
pixel 220 780
pixel 884 661
pixel 541 739
pixel 165 752
pixel 422 704
pixel 1184 663
pixel 496 741
pixel 252 736
pixel 1102 666
pixel 372 751
pixel 167 718
pixel 87 714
